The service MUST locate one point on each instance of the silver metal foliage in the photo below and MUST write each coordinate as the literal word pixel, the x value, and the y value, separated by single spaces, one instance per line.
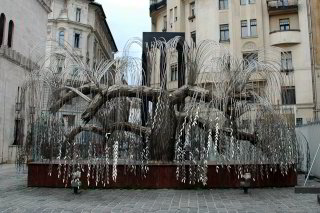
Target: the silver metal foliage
pixel 91 117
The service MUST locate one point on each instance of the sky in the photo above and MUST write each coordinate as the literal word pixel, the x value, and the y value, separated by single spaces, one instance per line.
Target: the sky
pixel 127 19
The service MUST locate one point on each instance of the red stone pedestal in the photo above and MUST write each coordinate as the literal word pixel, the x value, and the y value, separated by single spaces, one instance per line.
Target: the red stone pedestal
pixel 161 176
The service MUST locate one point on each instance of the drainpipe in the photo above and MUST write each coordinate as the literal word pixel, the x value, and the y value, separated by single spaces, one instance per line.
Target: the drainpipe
pixel 4 121
pixel 313 71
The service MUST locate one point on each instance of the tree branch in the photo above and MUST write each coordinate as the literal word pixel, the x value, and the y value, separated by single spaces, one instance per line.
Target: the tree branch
pixel 85 89
pixel 118 91
pixel 202 123
pixel 129 127
pixel 149 93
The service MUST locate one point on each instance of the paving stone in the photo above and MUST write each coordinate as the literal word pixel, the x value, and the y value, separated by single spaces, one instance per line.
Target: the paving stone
pixel 15 196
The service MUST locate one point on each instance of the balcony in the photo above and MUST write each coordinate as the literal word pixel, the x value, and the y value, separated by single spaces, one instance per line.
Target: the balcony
pixel 276 7
pixel 285 37
pixel 156 5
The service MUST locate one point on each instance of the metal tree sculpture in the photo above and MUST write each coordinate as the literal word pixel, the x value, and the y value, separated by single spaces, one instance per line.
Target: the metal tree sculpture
pixel 228 111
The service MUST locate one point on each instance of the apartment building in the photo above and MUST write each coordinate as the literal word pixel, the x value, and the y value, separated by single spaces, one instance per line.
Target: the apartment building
pixel 314 27
pixel 81 27
pixel 244 27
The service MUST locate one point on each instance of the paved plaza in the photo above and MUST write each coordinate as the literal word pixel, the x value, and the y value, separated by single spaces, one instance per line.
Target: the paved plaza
pixel 15 196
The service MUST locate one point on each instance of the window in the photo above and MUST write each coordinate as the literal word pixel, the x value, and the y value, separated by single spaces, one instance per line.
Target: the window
pixel 223 4
pixel 61 38
pixel 228 63
pixel 69 102
pixel 69 120
pixel 10 33
pixel 95 49
pixel 78 14
pixel 175 14
pixel 174 72
pixel 224 32
pixel 283 3
pixel 171 17
pixel 75 72
pixel 299 121
pixel 255 87
pixel 165 23
pixel 286 61
pixel 244 29
pixel 253 27
pixel 243 2
pixel 18 131
pixel 288 95
pixel 192 9
pixel 284 24
pixel 77 40
pixel 250 59
pixel 60 64
pixel 245 124
pixel 2 26
pixel 194 37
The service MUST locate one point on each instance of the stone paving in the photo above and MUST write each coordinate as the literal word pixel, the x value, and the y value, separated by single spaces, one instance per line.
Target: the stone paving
pixel 16 197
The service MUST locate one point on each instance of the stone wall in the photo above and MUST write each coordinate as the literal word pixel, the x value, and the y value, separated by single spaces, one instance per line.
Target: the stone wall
pixel 311 134
pixel 12 75
pixel 28 45
pixel 14 68
pixel 17 58
pixel 30 25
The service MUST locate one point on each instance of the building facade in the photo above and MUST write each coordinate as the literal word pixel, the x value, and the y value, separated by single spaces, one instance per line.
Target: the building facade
pixel 82 26
pixel 314 27
pixel 244 26
pixel 23 29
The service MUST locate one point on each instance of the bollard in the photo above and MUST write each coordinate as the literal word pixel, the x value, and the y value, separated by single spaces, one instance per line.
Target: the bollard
pixel 246 182
pixel 75 182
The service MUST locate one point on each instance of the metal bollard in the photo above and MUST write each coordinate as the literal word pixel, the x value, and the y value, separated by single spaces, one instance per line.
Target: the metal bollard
pixel 246 182
pixel 75 182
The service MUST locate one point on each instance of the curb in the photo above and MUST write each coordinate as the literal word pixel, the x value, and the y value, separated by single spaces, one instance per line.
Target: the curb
pixel 307 190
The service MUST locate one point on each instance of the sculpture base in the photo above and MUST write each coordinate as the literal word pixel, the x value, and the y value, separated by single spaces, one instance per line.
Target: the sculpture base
pixel 159 176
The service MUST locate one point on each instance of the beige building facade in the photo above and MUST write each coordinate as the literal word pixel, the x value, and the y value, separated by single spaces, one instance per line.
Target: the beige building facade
pixel 81 27
pixel 314 27
pixel 23 29
pixel 244 27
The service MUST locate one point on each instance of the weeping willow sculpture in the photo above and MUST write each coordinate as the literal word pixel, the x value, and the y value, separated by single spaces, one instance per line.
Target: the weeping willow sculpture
pixel 228 112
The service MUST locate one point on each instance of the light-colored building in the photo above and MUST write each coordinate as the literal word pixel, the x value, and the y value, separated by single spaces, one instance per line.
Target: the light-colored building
pixel 244 27
pixel 80 26
pixel 314 26
pixel 23 29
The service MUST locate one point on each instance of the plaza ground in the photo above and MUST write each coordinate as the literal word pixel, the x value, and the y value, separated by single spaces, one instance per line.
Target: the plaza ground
pixel 15 196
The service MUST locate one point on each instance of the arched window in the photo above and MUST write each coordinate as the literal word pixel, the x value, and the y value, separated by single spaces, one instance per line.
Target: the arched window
pixel 61 38
pixel 2 25
pixel 10 33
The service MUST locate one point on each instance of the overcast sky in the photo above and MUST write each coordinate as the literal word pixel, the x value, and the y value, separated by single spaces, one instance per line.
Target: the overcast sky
pixel 127 19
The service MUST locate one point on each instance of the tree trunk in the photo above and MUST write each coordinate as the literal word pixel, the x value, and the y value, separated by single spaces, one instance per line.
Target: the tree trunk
pixel 162 137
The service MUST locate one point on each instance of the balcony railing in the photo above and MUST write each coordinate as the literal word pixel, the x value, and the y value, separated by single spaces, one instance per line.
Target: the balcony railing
pixel 157 4
pixel 282 6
